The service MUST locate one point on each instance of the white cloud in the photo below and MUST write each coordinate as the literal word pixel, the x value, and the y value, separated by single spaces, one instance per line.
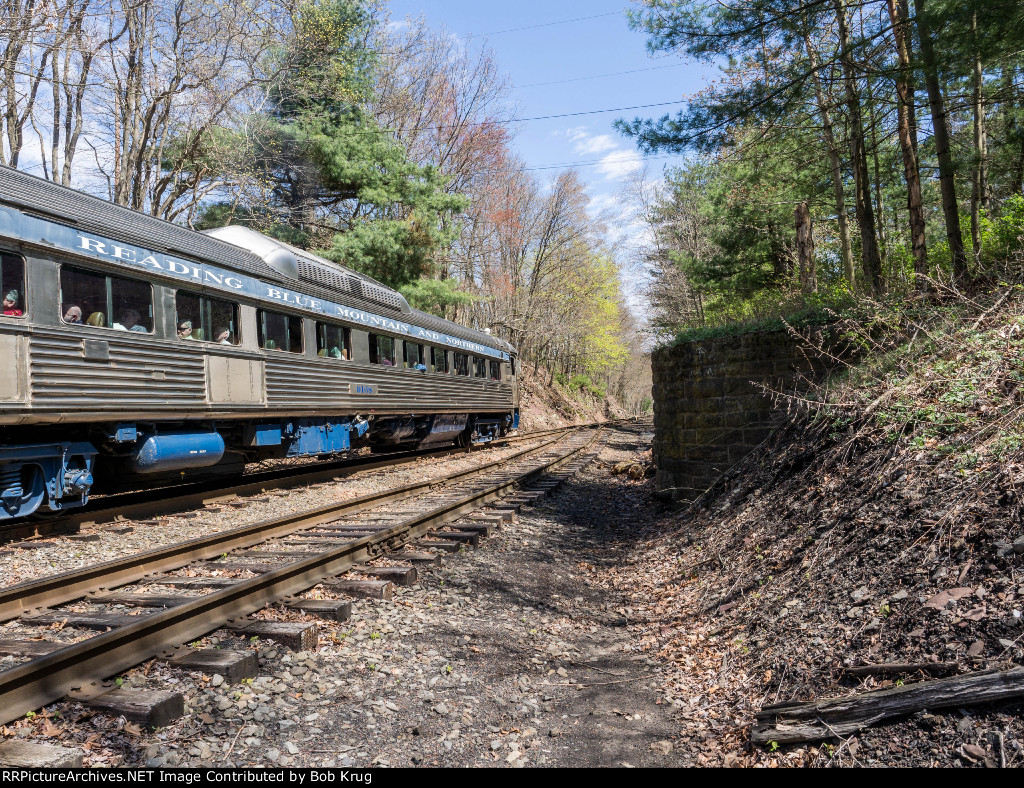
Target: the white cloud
pixel 620 164
pixel 591 146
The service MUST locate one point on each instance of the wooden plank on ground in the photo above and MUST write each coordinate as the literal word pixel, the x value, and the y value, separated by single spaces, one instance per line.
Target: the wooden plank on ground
pixel 788 723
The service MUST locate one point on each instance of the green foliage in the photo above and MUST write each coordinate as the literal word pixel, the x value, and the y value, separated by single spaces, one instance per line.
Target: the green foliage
pixel 1002 240
pixel 330 177
pixel 580 384
pixel 769 311
pixel 439 297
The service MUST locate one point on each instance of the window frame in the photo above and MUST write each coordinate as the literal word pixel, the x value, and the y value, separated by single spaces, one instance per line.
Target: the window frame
pixel 261 331
pixel 405 354
pixel 479 365
pixel 493 365
pixel 22 287
pixel 434 352
pixel 108 292
pixel 469 365
pixel 206 301
pixel 346 340
pixel 375 350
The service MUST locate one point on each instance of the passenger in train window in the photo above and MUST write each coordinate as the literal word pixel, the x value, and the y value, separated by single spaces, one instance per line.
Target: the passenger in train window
pixel 12 284
pixel 222 337
pixel 332 341
pixel 130 322
pixel 415 356
pixel 11 304
pixel 382 350
pixel 97 298
pixel 185 329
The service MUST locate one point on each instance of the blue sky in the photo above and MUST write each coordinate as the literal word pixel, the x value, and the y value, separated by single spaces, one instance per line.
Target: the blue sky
pixel 559 67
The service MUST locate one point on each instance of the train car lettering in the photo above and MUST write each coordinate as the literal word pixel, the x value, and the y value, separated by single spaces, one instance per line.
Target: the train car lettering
pixel 123 254
pixel 92 245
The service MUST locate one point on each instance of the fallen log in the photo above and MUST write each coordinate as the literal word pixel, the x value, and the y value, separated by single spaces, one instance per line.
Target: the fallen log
pixel 788 723
pixel 900 668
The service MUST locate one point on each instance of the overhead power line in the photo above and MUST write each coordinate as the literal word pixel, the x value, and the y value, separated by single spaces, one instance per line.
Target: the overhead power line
pixel 549 24
pixel 600 76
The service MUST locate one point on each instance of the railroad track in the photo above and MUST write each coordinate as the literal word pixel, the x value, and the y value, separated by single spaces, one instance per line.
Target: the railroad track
pixel 165 500
pixel 296 553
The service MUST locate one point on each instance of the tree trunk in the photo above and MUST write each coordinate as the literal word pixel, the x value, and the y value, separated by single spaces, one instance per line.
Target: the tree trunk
pixel 1013 135
pixel 836 165
pixel 979 178
pixel 805 249
pixel 947 174
pixel 908 145
pixel 879 199
pixel 871 261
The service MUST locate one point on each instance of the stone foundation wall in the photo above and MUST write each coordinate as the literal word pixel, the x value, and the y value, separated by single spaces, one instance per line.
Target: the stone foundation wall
pixel 708 411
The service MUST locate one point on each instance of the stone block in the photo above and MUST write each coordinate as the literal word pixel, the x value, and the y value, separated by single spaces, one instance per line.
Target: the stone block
pixel 18 754
pixel 737 451
pixel 755 435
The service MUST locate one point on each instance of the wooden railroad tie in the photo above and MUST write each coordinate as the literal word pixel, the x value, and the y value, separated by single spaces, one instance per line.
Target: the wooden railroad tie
pixel 295 636
pixel 234 666
pixel 368 589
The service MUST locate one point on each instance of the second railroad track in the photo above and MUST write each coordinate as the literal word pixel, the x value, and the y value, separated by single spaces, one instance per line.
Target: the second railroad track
pixel 182 592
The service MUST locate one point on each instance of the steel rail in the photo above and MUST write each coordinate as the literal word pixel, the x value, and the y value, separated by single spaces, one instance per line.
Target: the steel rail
pixel 31 595
pixel 46 679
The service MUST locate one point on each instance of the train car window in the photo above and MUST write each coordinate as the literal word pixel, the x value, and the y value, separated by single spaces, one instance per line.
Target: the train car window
pixel 103 301
pixel 333 341
pixel 206 319
pixel 382 350
pixel 495 370
pixel 479 367
pixel 512 361
pixel 413 356
pixel 438 360
pixel 279 332
pixel 462 364
pixel 12 285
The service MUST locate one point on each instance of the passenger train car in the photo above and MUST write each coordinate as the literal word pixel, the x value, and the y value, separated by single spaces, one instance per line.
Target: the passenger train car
pixel 135 351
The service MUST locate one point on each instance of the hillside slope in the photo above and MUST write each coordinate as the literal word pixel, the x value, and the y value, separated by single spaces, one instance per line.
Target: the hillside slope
pixel 544 404
pixel 884 528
